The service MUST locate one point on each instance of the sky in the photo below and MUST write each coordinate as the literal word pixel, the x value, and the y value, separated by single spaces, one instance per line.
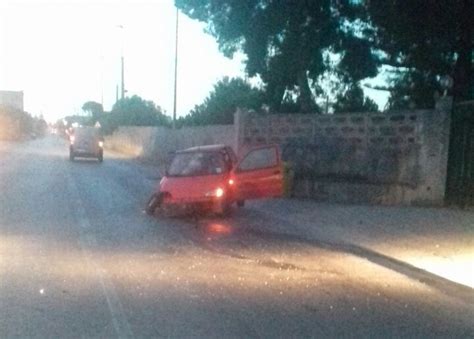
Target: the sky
pixel 62 53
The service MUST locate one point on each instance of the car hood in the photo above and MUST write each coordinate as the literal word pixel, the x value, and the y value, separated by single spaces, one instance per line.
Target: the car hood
pixel 191 188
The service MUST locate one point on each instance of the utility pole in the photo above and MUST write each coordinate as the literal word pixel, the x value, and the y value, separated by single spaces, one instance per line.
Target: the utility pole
pixel 102 81
pixel 123 80
pixel 175 69
pixel 122 65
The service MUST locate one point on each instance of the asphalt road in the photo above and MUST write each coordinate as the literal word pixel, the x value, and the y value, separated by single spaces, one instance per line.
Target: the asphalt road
pixel 79 258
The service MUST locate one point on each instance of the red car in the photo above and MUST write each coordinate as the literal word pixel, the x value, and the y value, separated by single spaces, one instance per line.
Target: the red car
pixel 211 178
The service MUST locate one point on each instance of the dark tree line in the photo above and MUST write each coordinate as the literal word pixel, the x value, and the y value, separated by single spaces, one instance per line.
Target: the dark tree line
pixel 219 107
pixel 295 46
pixel 289 44
pixel 130 111
pixel 17 124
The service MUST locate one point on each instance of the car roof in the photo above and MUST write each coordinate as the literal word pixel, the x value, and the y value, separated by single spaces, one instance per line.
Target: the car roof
pixel 207 148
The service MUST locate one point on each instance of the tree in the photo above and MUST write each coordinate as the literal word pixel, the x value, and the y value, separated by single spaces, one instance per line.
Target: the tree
pixel 285 41
pixel 352 100
pixel 14 123
pixel 133 111
pixel 413 88
pixel 94 109
pixel 79 120
pixel 424 40
pixel 219 107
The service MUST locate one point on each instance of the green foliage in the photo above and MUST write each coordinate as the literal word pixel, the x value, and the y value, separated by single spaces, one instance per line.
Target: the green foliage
pixel 285 41
pixel 219 107
pixel 423 40
pixel 353 100
pixel 79 119
pixel 94 109
pixel 133 111
pixel 413 89
pixel 15 124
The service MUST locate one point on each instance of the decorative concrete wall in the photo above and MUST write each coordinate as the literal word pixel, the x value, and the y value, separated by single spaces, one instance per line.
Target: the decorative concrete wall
pixel 390 158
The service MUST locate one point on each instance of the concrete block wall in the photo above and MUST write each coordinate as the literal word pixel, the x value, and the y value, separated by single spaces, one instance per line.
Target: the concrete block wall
pixel 390 158
pixel 155 143
pixel 204 135
pixel 141 142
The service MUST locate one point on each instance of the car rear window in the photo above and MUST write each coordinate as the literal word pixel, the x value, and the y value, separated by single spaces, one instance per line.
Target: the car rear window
pixel 86 133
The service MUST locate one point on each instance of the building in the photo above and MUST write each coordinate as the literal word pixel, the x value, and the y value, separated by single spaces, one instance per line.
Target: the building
pixel 13 99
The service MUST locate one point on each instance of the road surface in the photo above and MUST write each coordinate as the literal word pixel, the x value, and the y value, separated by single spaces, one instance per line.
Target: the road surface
pixel 79 258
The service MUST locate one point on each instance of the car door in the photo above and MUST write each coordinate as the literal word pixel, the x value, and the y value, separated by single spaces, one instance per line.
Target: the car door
pixel 259 174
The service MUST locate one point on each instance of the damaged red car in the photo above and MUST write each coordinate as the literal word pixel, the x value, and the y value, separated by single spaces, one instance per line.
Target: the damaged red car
pixel 212 178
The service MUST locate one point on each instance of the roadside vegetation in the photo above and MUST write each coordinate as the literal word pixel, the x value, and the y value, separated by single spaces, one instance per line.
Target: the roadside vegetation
pixel 311 50
pixel 321 56
pixel 19 125
pixel 130 111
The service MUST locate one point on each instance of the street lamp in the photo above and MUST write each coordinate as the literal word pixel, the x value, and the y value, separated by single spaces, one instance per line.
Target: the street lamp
pixel 175 69
pixel 122 64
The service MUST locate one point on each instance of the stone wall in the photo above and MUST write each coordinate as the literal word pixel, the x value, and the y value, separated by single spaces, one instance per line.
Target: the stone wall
pixel 155 143
pixel 390 158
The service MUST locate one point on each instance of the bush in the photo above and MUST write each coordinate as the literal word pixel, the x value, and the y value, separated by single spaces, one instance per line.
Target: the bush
pixel 15 124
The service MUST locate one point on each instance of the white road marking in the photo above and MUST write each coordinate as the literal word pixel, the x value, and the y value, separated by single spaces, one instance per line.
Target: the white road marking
pixel 88 241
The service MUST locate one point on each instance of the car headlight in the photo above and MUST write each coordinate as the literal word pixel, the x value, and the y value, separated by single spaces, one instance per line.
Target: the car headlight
pixel 101 144
pixel 218 193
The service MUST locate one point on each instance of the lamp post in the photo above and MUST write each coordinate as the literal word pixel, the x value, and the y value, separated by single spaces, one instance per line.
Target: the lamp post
pixel 175 69
pixel 122 67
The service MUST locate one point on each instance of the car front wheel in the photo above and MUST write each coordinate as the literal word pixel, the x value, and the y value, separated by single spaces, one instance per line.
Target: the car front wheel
pixel 224 208
pixel 152 204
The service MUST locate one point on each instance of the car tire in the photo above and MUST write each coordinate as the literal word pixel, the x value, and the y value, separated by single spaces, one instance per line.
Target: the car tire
pixel 225 209
pixel 240 203
pixel 153 203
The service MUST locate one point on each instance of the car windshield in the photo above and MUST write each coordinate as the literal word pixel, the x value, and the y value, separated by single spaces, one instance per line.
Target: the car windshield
pixel 196 164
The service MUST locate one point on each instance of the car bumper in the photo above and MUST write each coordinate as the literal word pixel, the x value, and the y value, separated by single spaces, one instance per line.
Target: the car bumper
pixel 86 153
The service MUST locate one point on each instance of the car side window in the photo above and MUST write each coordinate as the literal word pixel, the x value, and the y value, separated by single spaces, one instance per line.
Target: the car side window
pixel 259 158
